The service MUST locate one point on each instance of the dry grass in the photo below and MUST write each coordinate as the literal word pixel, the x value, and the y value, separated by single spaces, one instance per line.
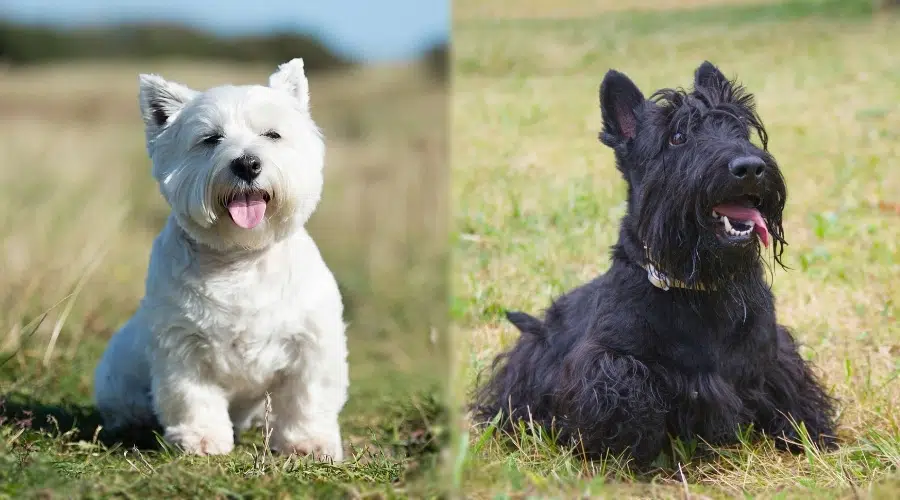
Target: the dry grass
pixel 537 201
pixel 81 210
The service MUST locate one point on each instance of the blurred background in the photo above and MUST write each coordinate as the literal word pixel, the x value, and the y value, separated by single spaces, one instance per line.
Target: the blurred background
pixel 80 208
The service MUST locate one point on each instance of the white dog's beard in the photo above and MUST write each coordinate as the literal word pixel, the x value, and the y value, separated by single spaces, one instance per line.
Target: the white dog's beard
pixel 225 213
pixel 187 194
pixel 202 199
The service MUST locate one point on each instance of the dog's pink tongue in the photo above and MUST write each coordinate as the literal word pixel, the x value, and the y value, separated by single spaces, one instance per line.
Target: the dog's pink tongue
pixel 737 212
pixel 247 210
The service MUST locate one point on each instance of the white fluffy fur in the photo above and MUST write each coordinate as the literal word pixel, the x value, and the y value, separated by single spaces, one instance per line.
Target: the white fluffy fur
pixel 231 314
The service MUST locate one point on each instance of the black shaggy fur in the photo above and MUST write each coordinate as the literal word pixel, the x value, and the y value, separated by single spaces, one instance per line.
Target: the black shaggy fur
pixel 619 364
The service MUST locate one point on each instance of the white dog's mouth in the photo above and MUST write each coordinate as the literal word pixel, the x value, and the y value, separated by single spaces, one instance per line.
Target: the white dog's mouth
pixel 248 208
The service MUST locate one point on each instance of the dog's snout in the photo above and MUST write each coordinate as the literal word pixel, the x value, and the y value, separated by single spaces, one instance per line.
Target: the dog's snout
pixel 246 167
pixel 744 166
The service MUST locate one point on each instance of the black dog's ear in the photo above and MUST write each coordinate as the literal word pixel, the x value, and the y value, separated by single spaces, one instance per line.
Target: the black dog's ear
pixel 708 76
pixel 619 100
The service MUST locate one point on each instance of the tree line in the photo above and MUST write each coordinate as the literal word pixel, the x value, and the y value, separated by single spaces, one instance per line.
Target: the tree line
pixel 22 44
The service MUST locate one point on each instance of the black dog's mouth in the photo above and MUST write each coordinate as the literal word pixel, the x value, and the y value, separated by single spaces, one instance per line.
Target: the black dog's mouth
pixel 738 221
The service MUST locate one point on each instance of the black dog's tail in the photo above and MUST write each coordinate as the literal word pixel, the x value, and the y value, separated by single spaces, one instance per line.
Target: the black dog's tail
pixel 526 323
pixel 516 380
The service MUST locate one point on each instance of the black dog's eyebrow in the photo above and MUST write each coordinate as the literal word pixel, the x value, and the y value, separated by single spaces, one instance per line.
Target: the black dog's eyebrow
pixel 680 104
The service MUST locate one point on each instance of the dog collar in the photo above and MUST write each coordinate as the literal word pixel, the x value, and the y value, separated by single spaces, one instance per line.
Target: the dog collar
pixel 663 282
pixel 660 280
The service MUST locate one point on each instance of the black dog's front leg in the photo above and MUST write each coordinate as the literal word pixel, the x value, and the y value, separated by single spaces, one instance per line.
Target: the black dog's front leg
pixel 610 403
pixel 794 396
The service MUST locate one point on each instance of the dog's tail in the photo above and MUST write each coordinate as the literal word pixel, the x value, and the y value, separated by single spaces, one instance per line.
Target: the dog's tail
pixel 526 323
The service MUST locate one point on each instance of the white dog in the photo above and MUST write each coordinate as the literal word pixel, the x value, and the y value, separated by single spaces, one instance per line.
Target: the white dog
pixel 238 301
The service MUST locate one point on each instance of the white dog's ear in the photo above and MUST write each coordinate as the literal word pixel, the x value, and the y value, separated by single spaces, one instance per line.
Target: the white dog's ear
pixel 291 78
pixel 161 100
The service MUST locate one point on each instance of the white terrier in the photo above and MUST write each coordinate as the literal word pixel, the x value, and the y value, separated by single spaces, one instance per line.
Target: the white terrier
pixel 238 301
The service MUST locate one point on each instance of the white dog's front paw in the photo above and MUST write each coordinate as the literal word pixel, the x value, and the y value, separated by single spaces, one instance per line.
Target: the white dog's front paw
pixel 323 446
pixel 201 441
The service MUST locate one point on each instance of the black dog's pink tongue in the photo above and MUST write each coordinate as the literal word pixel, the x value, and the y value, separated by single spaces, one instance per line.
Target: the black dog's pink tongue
pixel 737 212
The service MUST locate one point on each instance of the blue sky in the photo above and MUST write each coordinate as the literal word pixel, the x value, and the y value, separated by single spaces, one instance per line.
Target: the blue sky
pixel 371 30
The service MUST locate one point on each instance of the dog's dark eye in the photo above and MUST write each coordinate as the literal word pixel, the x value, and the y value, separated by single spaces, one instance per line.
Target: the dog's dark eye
pixel 676 139
pixel 212 140
pixel 272 135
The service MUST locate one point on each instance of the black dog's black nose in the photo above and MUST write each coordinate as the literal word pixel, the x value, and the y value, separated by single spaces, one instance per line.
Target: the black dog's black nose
pixel 246 167
pixel 742 166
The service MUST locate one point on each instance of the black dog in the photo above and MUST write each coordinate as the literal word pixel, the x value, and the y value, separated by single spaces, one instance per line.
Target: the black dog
pixel 679 337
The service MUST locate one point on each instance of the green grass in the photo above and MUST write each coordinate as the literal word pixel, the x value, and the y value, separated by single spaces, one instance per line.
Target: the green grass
pixel 537 201
pixel 74 258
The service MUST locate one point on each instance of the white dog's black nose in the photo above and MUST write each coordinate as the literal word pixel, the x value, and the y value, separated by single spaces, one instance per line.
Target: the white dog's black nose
pixel 246 167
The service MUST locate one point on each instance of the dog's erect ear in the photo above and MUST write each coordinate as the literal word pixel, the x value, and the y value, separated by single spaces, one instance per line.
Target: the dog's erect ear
pixel 161 99
pixel 291 78
pixel 619 101
pixel 708 76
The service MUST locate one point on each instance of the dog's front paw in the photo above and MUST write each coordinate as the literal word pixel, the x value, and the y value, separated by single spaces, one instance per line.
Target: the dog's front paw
pixel 318 449
pixel 324 447
pixel 201 441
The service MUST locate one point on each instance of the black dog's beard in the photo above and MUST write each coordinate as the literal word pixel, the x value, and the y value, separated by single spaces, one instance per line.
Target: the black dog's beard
pixel 680 240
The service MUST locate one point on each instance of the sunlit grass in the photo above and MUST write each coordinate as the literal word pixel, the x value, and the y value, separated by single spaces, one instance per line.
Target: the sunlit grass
pixel 537 201
pixel 80 212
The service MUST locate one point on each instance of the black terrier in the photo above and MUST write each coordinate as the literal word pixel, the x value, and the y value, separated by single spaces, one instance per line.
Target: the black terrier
pixel 679 337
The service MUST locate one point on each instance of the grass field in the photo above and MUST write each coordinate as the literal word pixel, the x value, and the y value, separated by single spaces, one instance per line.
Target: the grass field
pixel 80 212
pixel 537 199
